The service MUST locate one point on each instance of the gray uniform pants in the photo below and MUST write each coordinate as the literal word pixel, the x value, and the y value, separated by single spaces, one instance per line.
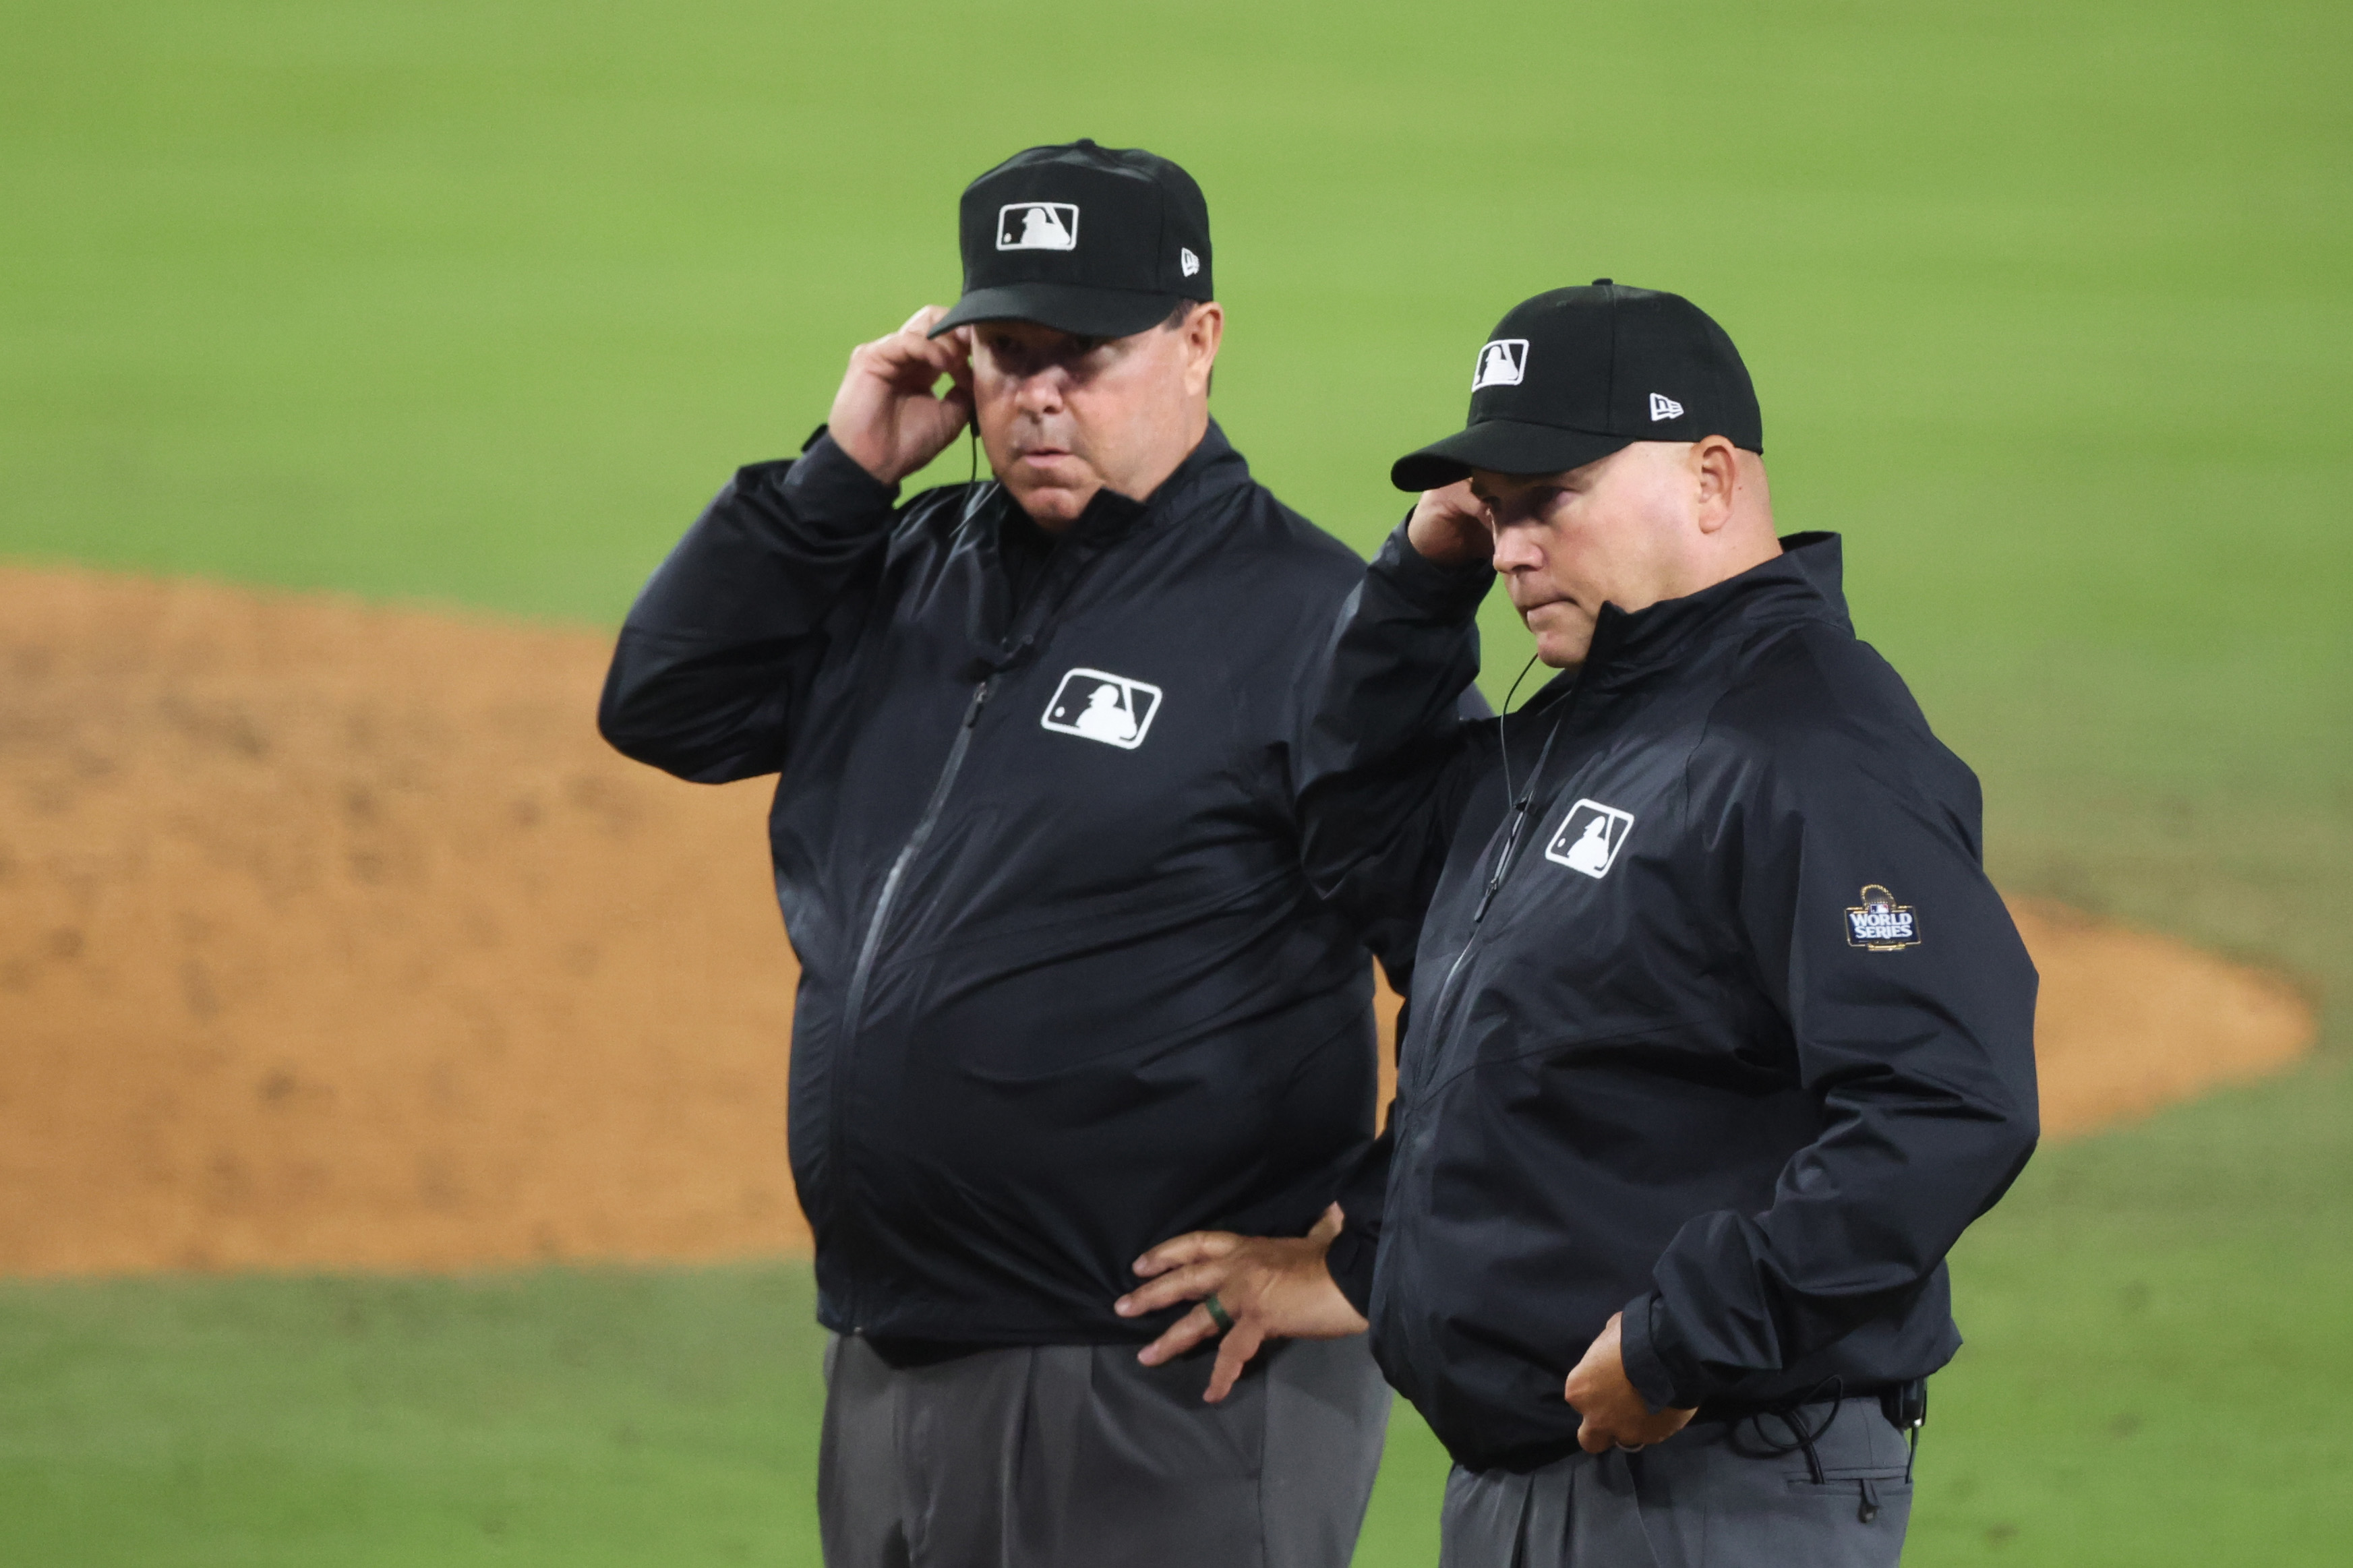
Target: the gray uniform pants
pixel 1077 1455
pixel 1695 1501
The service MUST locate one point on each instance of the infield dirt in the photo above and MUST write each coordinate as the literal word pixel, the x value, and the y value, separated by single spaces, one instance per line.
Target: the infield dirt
pixel 333 936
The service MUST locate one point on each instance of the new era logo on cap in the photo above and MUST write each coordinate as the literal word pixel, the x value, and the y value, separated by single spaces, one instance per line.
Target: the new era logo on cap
pixel 1501 363
pixel 1664 407
pixel 1037 225
pixel 1187 260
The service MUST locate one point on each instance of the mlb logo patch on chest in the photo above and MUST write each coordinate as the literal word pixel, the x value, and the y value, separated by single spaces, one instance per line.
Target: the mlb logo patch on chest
pixel 1880 923
pixel 1099 705
pixel 1590 837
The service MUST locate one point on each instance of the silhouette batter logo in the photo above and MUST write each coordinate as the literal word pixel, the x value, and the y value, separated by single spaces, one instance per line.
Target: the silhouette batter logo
pixel 1037 225
pixel 1501 363
pixel 1590 837
pixel 1103 707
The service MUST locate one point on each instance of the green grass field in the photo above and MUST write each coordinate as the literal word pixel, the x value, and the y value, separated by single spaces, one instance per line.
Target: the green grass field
pixel 2052 310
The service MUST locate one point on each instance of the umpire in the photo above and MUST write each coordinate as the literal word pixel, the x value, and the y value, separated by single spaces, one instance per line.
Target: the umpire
pixel 1724 1038
pixel 1065 988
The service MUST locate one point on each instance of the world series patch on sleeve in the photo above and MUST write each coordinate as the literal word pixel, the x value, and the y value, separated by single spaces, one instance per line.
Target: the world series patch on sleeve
pixel 1881 924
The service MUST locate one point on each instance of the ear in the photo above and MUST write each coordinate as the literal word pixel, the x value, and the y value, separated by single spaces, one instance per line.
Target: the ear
pixel 1204 331
pixel 1715 471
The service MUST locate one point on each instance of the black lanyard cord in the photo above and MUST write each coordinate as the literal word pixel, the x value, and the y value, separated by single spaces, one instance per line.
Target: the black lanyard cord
pixel 1519 821
pixel 1502 734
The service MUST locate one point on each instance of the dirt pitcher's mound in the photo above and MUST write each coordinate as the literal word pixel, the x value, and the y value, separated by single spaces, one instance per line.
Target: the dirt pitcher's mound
pixel 2128 1020
pixel 333 935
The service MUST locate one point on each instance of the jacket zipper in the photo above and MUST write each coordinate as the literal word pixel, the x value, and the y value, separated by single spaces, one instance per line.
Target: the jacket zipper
pixel 854 1006
pixel 1042 609
pixel 1520 809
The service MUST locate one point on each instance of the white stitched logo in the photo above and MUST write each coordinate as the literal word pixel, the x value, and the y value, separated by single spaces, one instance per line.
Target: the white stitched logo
pixel 1103 707
pixel 1501 363
pixel 1037 225
pixel 1590 838
pixel 1664 407
pixel 1187 260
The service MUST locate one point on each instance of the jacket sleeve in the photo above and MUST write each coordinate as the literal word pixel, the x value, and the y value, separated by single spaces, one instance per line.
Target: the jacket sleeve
pixel 1362 1198
pixel 1921 1051
pixel 1397 735
pixel 731 624
pixel 1389 758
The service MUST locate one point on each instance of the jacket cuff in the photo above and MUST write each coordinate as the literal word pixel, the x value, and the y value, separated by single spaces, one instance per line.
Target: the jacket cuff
pixel 1350 1261
pixel 827 493
pixel 1444 593
pixel 1639 1350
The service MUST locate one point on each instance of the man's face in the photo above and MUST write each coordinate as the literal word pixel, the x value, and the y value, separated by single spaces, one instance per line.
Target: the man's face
pixel 1613 531
pixel 1063 416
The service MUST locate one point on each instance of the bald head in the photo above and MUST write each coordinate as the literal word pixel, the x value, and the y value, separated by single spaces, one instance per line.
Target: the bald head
pixel 1652 521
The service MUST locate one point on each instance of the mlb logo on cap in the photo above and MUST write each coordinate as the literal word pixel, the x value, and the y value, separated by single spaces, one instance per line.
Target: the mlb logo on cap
pixel 1501 363
pixel 1037 225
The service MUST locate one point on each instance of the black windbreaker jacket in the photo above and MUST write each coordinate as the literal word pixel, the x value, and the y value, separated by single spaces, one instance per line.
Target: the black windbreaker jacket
pixel 1065 989
pixel 1718 1021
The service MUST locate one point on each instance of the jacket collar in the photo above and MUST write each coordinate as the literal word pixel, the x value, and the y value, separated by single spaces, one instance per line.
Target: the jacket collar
pixel 1802 583
pixel 1210 469
pixel 1805 582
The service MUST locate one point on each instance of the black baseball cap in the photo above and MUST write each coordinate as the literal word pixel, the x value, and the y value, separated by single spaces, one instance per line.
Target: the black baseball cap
pixel 1572 375
pixel 1100 241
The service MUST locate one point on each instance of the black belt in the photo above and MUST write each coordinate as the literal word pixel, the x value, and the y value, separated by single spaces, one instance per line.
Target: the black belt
pixel 1905 1404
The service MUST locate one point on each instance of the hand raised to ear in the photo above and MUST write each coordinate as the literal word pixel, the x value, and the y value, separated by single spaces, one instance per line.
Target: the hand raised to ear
pixel 1450 526
pixel 886 415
